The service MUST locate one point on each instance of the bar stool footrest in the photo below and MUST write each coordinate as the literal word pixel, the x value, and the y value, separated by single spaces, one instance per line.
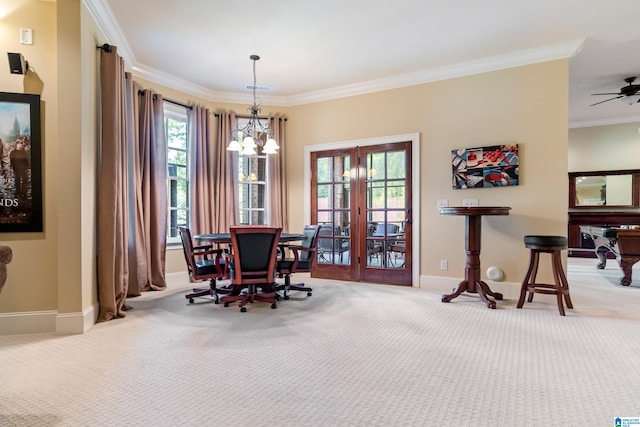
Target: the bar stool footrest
pixel 544 288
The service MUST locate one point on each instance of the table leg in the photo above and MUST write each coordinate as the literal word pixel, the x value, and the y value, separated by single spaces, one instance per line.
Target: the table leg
pixel 481 287
pixel 626 264
pixel 601 253
pixel 462 287
pixel 484 291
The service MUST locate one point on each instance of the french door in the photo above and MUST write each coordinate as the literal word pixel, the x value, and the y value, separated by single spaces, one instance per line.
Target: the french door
pixel 361 197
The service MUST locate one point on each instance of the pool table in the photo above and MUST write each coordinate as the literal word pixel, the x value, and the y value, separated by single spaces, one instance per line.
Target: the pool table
pixel 621 242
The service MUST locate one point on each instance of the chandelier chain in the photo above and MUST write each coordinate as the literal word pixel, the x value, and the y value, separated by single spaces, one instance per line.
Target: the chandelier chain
pixel 254 133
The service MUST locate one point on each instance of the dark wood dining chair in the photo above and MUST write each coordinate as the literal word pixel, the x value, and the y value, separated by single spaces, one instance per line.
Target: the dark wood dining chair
pixel 204 263
pixel 253 265
pixel 304 255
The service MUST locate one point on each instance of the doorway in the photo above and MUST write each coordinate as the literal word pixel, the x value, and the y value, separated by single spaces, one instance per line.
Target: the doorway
pixel 362 197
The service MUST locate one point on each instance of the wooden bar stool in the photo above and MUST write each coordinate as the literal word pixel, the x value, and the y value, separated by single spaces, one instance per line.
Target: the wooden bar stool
pixel 552 245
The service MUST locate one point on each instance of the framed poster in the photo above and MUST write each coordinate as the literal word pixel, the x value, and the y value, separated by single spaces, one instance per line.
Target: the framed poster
pixel 20 163
pixel 492 166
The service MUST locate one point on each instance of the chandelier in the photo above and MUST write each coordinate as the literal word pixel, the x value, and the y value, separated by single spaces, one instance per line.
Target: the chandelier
pixel 254 134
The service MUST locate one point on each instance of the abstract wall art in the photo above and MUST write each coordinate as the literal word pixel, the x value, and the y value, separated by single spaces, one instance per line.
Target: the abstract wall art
pixel 491 166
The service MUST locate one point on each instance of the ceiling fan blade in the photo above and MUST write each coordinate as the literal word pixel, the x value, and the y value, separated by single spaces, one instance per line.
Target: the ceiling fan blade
pixel 610 99
pixel 609 93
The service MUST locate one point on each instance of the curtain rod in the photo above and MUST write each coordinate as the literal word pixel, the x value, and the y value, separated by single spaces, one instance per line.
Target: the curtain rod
pixel 140 92
pixel 248 117
pixel 106 47
pixel 171 101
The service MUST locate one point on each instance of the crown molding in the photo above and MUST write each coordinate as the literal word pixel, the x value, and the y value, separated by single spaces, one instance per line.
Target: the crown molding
pixel 108 25
pixel 494 63
pixel 169 80
pixel 603 122
pixel 484 65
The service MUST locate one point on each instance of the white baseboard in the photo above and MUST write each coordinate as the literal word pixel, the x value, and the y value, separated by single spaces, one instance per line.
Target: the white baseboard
pixel 446 285
pixel 34 322
pixel 50 321
pixel 77 323
pixel 30 322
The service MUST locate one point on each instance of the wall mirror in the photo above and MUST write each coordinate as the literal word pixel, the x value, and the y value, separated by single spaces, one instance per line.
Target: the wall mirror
pixel 604 189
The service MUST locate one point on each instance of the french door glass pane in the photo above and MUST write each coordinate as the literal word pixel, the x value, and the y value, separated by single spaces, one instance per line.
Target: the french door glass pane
pixel 325 217
pixel 323 167
pixel 375 195
pixel 386 213
pixel 395 164
pixel 333 208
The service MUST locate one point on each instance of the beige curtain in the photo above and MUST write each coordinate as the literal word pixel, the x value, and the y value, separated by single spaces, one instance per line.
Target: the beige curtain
pixel 276 180
pixel 203 207
pixel 149 181
pixel 132 190
pixel 225 191
pixel 112 204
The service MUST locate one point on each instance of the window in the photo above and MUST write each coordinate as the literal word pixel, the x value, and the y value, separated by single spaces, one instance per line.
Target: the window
pixel 178 169
pixel 252 185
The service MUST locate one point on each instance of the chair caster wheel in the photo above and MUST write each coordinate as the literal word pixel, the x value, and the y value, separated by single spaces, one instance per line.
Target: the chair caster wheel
pixel 243 309
pixel 286 297
pixel 309 294
pixel 274 305
pixel 190 300
pixel 226 304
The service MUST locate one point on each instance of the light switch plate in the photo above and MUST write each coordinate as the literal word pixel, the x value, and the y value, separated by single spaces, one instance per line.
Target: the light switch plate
pixel 443 203
pixel 467 203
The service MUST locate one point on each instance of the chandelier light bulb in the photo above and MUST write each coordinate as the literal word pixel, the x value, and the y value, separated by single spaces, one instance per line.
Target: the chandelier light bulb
pixel 249 142
pixel 248 150
pixel 271 144
pixel 234 146
pixel 268 150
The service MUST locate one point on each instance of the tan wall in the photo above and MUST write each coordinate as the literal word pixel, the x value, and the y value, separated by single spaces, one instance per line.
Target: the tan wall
pixel 53 273
pixel 485 109
pixel 32 283
pixel 88 155
pixel 607 147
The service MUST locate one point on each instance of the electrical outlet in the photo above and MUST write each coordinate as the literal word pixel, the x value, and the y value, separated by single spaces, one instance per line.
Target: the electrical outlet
pixel 467 203
pixel 443 203
pixel 444 264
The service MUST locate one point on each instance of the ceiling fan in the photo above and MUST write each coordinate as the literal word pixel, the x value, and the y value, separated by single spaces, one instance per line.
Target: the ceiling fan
pixel 628 94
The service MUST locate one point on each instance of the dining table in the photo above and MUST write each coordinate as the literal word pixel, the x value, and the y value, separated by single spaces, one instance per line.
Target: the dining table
pixel 473 229
pixel 225 238
pixel 221 238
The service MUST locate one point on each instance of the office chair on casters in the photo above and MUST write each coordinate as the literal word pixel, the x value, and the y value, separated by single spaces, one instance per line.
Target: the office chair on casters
pixel 203 263
pixel 302 261
pixel 253 265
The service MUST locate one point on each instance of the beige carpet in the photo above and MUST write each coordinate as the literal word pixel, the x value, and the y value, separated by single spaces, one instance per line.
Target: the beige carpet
pixel 350 355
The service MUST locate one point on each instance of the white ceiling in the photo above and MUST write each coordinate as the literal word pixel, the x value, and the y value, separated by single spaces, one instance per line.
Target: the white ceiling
pixel 321 49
